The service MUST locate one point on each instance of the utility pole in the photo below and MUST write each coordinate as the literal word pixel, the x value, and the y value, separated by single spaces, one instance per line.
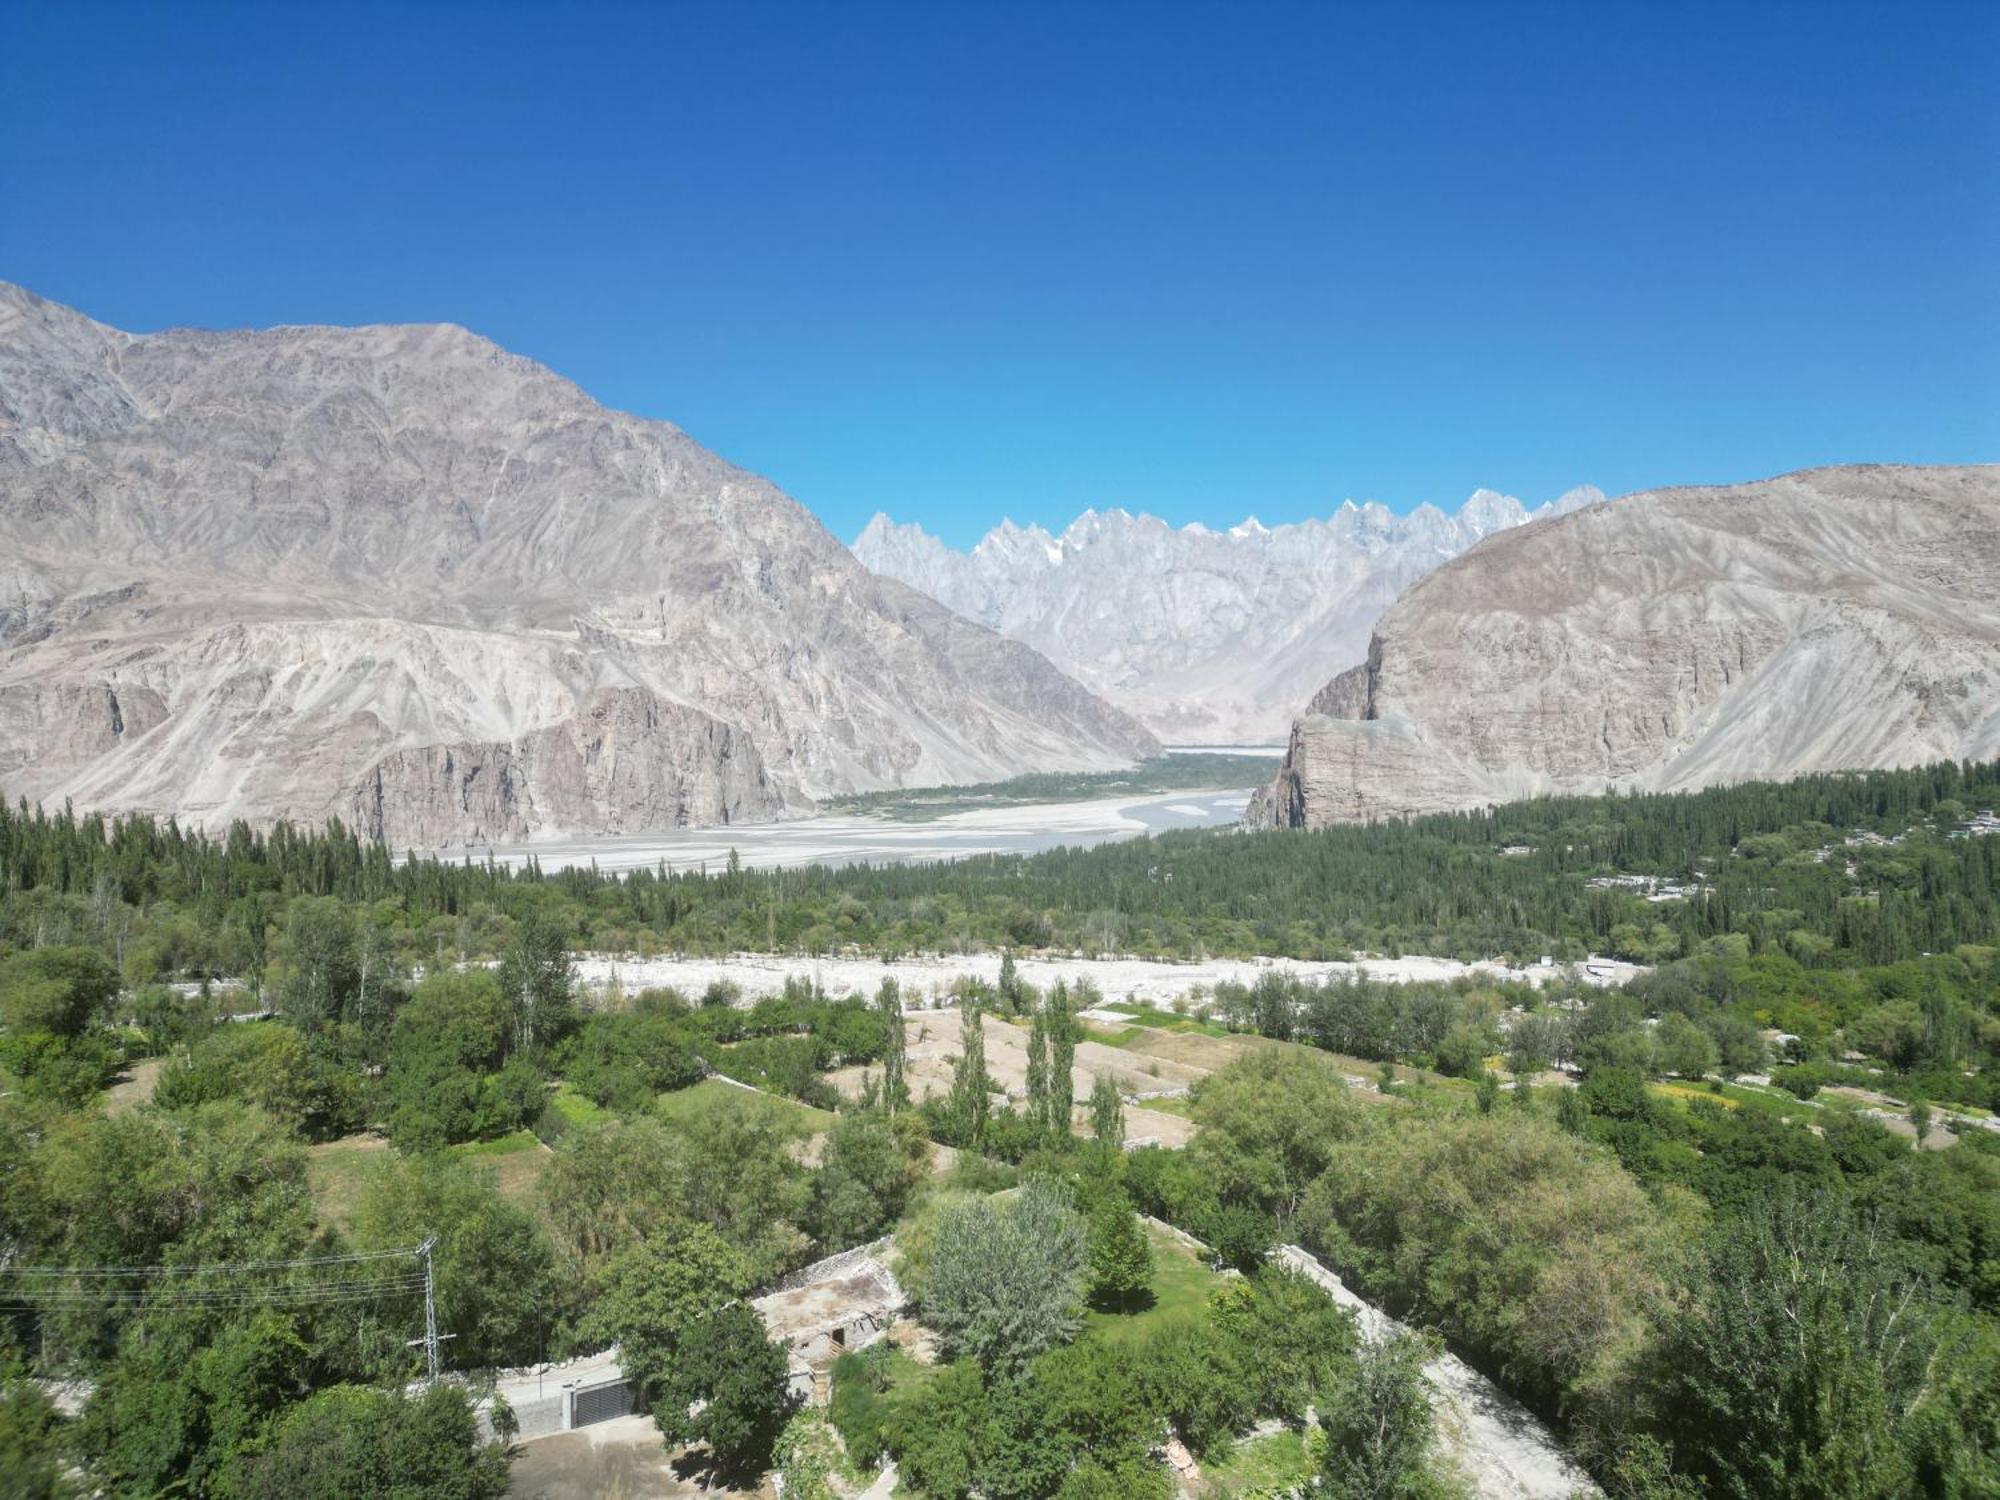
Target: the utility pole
pixel 432 1338
pixel 430 1306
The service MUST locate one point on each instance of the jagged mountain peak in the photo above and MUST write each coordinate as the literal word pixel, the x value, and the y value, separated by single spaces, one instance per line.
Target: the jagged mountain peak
pixel 1208 636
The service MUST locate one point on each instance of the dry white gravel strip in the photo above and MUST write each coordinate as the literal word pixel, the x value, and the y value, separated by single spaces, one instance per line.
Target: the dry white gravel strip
pixel 928 979
pixel 1504 1449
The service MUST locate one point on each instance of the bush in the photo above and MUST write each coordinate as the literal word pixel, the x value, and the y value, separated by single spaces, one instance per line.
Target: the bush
pixel 859 1406
pixel 55 989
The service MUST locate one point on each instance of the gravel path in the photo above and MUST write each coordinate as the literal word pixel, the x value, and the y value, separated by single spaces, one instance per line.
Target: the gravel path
pixel 1503 1447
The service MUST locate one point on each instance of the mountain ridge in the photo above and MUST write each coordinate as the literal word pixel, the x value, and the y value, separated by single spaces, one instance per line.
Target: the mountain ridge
pixel 1839 618
pixel 1206 636
pixel 333 548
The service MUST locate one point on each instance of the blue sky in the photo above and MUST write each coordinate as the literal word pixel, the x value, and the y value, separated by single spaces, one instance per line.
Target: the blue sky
pixel 959 261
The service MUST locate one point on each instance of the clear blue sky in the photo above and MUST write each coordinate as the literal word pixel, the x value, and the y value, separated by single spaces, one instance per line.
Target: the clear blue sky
pixel 956 261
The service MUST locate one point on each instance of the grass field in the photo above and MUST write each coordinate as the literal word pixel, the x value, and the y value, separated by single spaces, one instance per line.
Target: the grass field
pixel 1181 1284
pixel 515 1161
pixel 712 1095
pixel 337 1171
pixel 575 1109
pixel 1164 1020
pixel 1265 1464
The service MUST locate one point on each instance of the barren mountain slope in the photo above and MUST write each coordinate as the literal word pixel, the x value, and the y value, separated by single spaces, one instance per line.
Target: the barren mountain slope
pixel 1832 619
pixel 1208 637
pixel 400 576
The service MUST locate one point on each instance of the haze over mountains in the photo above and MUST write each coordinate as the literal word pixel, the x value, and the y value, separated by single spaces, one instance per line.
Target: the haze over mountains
pixel 1208 637
pixel 1839 618
pixel 400 576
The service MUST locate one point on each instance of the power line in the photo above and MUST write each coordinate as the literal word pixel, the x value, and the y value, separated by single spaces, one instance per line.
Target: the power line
pixel 45 1288
pixel 215 1267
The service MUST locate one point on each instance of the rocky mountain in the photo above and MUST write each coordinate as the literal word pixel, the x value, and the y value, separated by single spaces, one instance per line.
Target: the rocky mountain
pixel 1841 618
pixel 1209 637
pixel 401 576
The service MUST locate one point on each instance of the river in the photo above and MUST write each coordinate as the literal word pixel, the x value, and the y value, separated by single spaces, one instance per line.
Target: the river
pixel 853 839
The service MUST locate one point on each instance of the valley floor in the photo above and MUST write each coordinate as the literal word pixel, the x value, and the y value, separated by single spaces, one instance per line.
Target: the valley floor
pixel 848 839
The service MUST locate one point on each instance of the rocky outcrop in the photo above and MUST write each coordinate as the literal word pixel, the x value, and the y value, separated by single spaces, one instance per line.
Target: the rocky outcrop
pixel 315 567
pixel 628 763
pixel 1207 636
pixel 1841 618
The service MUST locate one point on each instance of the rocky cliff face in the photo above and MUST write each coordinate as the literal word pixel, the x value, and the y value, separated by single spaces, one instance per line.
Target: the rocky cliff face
pixel 1208 637
pixel 1842 618
pixel 400 576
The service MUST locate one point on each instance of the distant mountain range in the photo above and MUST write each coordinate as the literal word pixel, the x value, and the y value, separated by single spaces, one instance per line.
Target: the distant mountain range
pixel 1835 619
pixel 1208 637
pixel 400 576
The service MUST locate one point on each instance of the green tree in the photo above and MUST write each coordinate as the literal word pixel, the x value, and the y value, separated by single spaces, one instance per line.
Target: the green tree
pixel 350 1441
pixel 808 1454
pixel 172 1413
pixel 31 1460
pixel 723 1388
pixel 1040 1111
pixel 1120 1255
pixel 1573 1111
pixel 497 1289
pixel 1194 1381
pixel 55 989
pixel 537 976
pixel 608 1186
pixel 269 1065
pixel 1295 1344
pixel 655 1291
pixel 1107 1113
pixel 970 1101
pixel 889 1002
pixel 1799 1361
pixel 937 1430
pixel 1093 1404
pixel 1010 987
pixel 1269 1125
pixel 869 1168
pixel 1005 1279
pixel 1380 1433
pixel 1685 1050
pixel 1062 1062
pixel 320 969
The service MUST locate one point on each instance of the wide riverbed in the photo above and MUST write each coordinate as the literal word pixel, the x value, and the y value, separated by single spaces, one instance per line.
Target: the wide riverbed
pixel 849 840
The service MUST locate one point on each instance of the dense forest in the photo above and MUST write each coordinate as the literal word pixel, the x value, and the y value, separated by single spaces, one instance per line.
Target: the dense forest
pixel 1801 867
pixel 1685 1220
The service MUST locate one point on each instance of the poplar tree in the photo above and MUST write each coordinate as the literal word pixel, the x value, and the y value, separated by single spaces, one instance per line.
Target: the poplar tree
pixel 889 1002
pixel 1038 1071
pixel 971 1099
pixel 1107 1113
pixel 1062 1062
pixel 1010 984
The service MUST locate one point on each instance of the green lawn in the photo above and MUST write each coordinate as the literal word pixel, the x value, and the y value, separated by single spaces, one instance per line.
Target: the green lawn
pixel 576 1110
pixel 515 1162
pixel 337 1171
pixel 1164 1020
pixel 1181 1284
pixel 711 1094
pixel 1774 1102
pixel 505 1145
pixel 1264 1463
